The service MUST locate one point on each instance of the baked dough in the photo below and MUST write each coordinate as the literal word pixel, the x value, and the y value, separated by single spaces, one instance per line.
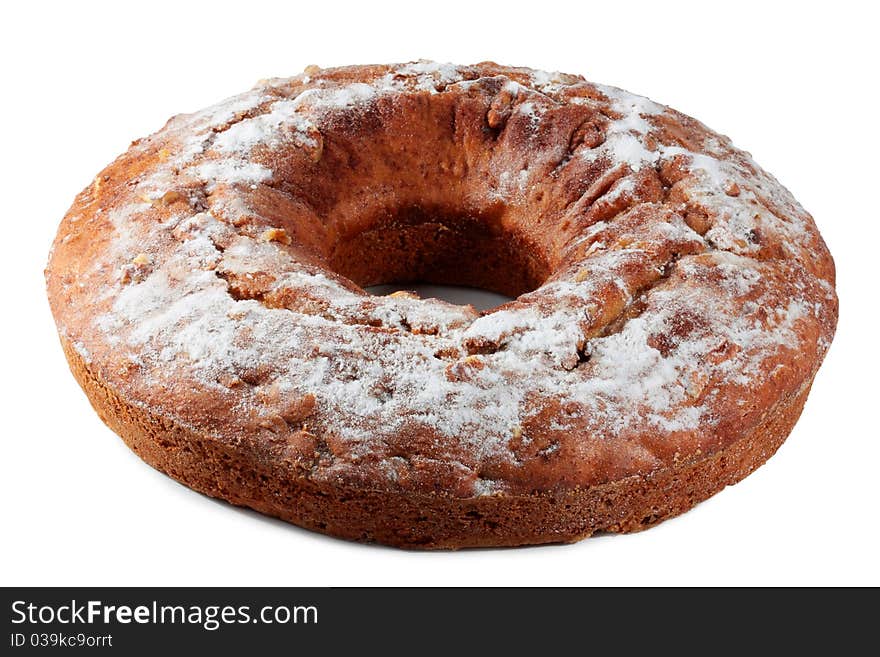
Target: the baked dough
pixel 673 303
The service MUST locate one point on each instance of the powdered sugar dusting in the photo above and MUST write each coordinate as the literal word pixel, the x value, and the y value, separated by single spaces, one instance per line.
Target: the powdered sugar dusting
pixel 710 313
pixel 231 172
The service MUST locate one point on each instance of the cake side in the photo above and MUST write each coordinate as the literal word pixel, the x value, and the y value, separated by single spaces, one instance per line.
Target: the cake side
pixel 425 521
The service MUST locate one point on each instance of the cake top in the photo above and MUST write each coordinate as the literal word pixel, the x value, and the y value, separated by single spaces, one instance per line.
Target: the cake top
pixel 686 291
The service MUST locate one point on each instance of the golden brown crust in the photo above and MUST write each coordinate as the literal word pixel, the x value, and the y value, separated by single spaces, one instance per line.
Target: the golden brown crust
pixel 673 303
pixel 432 521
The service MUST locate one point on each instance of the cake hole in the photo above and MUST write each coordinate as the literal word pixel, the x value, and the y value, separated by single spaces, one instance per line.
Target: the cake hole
pixel 457 294
pixel 461 257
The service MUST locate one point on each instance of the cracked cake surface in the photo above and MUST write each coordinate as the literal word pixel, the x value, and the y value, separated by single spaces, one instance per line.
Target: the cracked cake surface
pixel 670 296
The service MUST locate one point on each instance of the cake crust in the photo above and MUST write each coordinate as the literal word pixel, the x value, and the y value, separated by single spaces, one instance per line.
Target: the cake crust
pixel 431 522
pixel 673 303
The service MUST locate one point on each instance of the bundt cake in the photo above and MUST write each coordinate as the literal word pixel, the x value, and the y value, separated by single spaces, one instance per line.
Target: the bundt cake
pixel 671 304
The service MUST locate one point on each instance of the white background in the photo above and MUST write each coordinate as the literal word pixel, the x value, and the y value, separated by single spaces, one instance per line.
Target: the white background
pixel 795 86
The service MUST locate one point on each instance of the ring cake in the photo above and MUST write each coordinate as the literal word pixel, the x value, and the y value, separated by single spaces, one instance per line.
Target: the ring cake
pixel 672 303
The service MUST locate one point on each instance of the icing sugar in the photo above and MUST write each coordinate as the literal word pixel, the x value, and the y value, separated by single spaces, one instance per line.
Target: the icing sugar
pixel 375 364
pixel 445 73
pixel 231 172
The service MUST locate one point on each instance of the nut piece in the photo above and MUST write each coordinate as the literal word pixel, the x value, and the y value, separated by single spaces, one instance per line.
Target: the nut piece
pixel 590 133
pixel 697 383
pixel 276 235
pixel 136 270
pixel 404 294
pixel 98 183
pixel 501 108
pixel 169 197
pixel 464 370
pixel 314 146
pixel 582 275
pixel 698 219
